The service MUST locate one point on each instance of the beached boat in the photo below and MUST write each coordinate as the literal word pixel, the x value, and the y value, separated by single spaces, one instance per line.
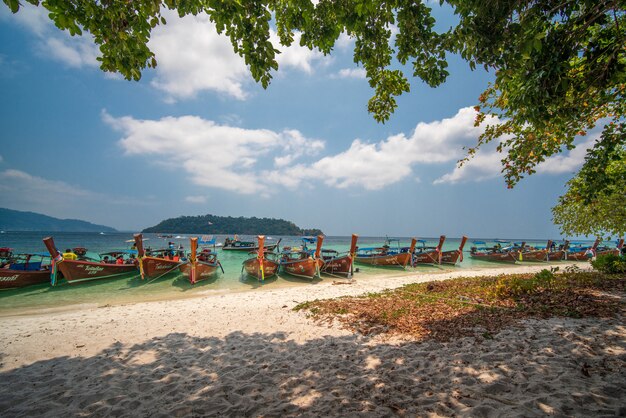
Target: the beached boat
pixel 20 270
pixel 234 244
pixel 605 250
pixel 300 262
pixel 339 264
pixel 262 265
pixel 452 256
pixel 200 265
pixel 581 252
pixel 495 253
pixel 428 255
pixel 557 253
pixel 157 263
pixel 385 256
pixel 76 271
pixel 535 253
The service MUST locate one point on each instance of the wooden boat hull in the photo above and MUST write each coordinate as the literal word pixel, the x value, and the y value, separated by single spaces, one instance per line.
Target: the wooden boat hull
pixel 391 260
pixel 156 267
pixel 451 257
pixel 13 279
pixel 426 257
pixel 613 251
pixel 338 266
pixel 76 271
pixel 579 256
pixel 555 255
pixel 251 266
pixel 307 268
pixel 204 271
pixel 510 257
pixel 267 248
pixel 538 255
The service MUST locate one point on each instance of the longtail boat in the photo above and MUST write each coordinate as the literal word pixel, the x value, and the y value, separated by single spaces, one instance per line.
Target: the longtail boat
pixel 75 271
pixel 234 244
pixel 157 263
pixel 300 262
pixel 20 270
pixel 385 256
pixel 336 263
pixel 535 254
pixel 581 252
pixel 200 266
pixel 604 250
pixel 495 253
pixel 428 255
pixel 452 256
pixel 556 254
pixel 260 266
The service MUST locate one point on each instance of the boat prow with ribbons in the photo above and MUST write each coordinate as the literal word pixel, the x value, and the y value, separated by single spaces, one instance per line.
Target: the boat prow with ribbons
pixel 261 265
pixel 200 265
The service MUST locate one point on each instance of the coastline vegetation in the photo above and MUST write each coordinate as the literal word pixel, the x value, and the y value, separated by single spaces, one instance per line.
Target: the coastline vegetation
pixel 477 306
pixel 211 224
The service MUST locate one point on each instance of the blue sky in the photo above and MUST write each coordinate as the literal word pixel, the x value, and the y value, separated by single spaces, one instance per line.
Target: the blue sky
pixel 197 136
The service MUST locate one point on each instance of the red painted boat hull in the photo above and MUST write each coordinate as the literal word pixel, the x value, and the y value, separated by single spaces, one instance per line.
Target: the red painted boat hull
pixel 13 279
pixel 450 257
pixel 338 266
pixel 251 267
pixel 76 271
pixel 156 267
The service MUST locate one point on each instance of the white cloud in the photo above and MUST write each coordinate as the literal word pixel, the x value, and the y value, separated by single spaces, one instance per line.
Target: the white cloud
pixel 568 162
pixel 192 57
pixel 358 73
pixel 196 199
pixel 295 56
pixel 73 51
pixel 376 165
pixel 485 165
pixel 212 155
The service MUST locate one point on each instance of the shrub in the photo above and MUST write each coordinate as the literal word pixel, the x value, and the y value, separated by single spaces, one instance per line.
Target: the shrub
pixel 609 264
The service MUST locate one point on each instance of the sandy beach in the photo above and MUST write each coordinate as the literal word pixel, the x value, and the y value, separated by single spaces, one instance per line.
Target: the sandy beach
pixel 250 354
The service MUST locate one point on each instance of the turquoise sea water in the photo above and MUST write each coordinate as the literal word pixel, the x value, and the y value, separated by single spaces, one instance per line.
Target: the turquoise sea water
pixel 132 289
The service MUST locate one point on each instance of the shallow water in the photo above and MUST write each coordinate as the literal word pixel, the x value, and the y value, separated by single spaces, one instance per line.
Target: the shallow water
pixel 132 289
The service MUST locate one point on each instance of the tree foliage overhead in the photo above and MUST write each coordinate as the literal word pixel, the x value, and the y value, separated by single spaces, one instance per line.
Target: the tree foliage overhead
pixel 559 65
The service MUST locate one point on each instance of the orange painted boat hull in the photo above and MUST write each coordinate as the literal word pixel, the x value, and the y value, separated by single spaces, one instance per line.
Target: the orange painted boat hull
pixel 204 271
pixel 510 257
pixel 251 266
pixel 306 268
pixel 394 260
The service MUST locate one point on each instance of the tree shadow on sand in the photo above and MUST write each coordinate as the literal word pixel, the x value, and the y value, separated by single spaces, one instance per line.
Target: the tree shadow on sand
pixel 517 373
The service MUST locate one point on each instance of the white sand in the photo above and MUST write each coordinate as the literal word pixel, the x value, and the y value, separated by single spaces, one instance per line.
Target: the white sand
pixel 249 354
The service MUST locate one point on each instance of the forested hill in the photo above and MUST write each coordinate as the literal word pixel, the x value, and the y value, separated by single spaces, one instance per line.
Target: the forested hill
pixel 16 220
pixel 210 224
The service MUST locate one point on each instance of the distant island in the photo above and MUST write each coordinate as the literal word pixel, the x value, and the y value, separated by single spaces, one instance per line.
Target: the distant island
pixel 211 224
pixel 16 220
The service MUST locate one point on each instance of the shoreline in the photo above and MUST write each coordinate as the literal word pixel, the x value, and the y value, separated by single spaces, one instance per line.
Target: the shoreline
pixel 249 354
